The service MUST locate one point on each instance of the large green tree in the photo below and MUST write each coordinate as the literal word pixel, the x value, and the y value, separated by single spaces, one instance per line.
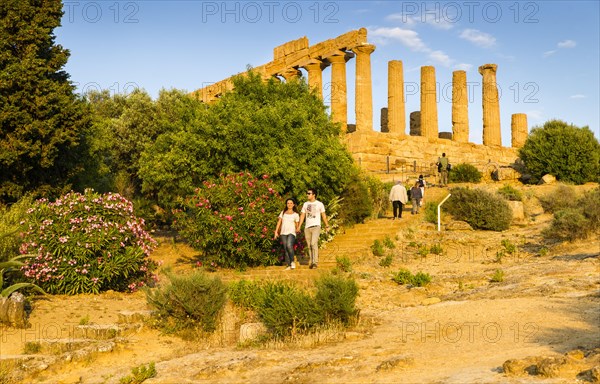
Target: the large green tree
pixel 279 129
pixel 41 118
pixel 569 153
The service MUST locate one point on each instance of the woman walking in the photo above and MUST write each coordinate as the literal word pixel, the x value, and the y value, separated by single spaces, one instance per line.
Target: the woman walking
pixel 287 226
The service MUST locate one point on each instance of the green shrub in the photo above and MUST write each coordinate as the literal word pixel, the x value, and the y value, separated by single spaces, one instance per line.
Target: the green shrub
pixel 498 276
pixel 379 193
pixel 590 205
pixel 10 225
pixel 87 243
pixel 286 310
pixel 386 261
pixel 561 197
pixel 482 210
pixel 356 201
pixel 464 173
pixel 32 347
pixel 404 277
pixel 388 243
pixel 336 297
pixel 570 153
pixel 436 249
pixel 246 294
pixel 139 374
pixel 343 263
pixel 568 224
pixel 231 219
pixel 431 211
pixel 510 193
pixel 188 301
pixel 377 248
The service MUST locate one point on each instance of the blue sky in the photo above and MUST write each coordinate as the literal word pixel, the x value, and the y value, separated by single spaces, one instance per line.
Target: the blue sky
pixel 547 52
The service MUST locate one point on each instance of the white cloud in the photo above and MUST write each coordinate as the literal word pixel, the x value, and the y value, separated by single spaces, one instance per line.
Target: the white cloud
pixel 406 37
pixel 478 38
pixel 578 96
pixel 566 44
pixel 549 53
pixel 463 66
pixel 441 58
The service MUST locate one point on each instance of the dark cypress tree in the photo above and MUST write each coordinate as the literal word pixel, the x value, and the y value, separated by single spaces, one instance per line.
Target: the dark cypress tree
pixel 41 118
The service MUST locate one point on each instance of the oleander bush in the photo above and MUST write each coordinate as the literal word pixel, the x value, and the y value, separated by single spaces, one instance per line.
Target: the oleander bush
pixel 481 209
pixel 87 243
pixel 230 220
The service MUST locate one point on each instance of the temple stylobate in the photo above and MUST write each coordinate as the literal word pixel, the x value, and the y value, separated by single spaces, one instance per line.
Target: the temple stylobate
pixel 370 147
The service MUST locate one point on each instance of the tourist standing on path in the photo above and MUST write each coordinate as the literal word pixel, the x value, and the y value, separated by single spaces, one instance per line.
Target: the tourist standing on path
pixel 422 185
pixel 287 227
pixel 398 197
pixel 313 210
pixel 442 164
pixel 415 196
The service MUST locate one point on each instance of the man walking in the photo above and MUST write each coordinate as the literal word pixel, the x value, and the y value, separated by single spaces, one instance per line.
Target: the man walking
pixel 398 197
pixel 442 164
pixel 313 210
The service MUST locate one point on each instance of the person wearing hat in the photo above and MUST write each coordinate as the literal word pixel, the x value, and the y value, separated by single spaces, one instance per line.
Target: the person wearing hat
pixel 398 197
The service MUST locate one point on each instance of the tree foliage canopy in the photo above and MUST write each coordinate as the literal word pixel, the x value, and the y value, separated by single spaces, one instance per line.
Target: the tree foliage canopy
pixel 273 128
pixel 569 153
pixel 41 118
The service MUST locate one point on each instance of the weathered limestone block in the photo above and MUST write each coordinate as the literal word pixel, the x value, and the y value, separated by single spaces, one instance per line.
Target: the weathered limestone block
pixel 518 213
pixel 548 179
pixel 460 107
pixel 12 310
pixel 290 47
pixel 445 135
pixel 518 129
pixel 429 117
pixel 491 106
pixel 364 90
pixel 415 123
pixel 396 112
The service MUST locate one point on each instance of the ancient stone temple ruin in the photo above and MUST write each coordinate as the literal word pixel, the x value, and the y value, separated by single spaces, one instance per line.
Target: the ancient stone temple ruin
pixel 392 149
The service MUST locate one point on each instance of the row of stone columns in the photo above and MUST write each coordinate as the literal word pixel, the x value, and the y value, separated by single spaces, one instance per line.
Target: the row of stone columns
pixel 428 117
pixel 396 107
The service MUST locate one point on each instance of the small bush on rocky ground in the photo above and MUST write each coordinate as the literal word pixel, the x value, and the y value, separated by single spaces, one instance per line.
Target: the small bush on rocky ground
pixel 498 276
pixel 481 209
pixel 287 310
pixel 388 243
pixel 358 197
pixel 510 193
pixel 578 221
pixel 431 211
pixel 405 277
pixel 464 173
pixel 562 197
pixel 377 248
pixel 336 297
pixel 386 261
pixel 343 263
pixel 188 301
pixel 139 374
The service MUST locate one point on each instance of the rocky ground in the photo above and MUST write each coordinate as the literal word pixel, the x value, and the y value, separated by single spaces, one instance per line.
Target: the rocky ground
pixel 539 324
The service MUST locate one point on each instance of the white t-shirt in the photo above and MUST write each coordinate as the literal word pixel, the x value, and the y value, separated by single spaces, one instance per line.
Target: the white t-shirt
pixel 288 223
pixel 312 213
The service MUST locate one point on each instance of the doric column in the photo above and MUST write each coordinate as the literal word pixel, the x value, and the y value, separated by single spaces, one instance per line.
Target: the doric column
pixel 315 76
pixel 291 74
pixel 396 111
pixel 460 107
pixel 491 106
pixel 364 92
pixel 429 117
pixel 518 129
pixel 339 98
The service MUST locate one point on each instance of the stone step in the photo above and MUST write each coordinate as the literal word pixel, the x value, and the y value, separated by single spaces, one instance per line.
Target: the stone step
pixel 133 317
pixel 105 331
